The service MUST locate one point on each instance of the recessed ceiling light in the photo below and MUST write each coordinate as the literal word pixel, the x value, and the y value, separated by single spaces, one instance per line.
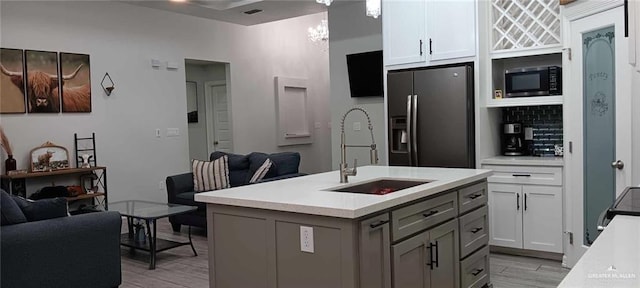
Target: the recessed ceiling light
pixel 178 0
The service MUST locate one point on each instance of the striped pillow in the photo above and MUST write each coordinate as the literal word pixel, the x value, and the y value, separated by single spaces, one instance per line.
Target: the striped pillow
pixel 208 176
pixel 262 171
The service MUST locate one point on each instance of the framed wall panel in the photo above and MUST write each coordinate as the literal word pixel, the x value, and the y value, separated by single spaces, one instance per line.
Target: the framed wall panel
pixel 293 114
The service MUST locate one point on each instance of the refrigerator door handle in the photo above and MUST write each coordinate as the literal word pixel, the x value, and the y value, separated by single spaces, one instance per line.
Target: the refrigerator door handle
pixel 414 136
pixel 409 133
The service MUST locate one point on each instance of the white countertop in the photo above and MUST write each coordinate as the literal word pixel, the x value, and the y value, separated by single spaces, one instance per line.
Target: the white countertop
pixel 617 246
pixel 524 161
pixel 307 194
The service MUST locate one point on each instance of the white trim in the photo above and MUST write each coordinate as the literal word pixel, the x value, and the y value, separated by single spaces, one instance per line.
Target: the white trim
pixel 581 9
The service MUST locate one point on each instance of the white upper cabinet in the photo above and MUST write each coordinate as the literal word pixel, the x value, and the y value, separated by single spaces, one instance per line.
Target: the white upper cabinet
pixel 424 32
pixel 403 28
pixel 522 25
pixel 451 27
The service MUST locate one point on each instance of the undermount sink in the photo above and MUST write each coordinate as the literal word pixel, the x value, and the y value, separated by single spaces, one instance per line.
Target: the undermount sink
pixel 380 186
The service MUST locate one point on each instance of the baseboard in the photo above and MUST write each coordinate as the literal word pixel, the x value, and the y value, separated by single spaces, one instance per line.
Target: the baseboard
pixel 527 253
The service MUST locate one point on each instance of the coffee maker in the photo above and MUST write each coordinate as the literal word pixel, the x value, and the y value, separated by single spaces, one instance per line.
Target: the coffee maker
pixel 513 140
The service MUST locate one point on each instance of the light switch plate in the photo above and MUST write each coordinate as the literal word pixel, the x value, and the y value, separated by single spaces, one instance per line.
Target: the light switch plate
pixel 306 239
pixel 155 63
pixel 357 126
pixel 173 132
pixel 158 133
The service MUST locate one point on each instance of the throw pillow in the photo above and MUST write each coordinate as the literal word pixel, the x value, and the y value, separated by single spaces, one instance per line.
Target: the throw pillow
pixel 42 209
pixel 11 213
pixel 210 175
pixel 261 171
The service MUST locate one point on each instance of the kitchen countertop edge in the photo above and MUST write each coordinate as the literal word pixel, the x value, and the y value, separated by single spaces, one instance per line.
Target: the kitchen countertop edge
pixel 385 201
pixel 524 161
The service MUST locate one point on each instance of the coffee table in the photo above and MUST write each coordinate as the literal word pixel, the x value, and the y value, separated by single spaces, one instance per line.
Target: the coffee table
pixel 149 212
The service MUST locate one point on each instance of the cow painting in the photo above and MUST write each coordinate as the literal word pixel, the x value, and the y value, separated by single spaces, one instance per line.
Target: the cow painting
pixel 76 92
pixel 11 97
pixel 42 87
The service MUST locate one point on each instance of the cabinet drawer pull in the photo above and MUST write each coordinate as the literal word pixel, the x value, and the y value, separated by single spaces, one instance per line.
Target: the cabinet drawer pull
pixel 433 262
pixel 430 213
pixel 420 47
pixel 430 47
pixel 521 175
pixel 378 224
pixel 476 230
pixel 478 271
pixel 474 196
pixel 518 201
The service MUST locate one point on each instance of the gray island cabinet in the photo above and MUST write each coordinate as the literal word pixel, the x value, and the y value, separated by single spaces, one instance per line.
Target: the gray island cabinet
pixel 437 239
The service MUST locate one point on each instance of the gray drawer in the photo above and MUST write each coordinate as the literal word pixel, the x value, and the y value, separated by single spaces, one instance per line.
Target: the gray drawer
pixel 474 231
pixel 472 197
pixel 474 271
pixel 422 215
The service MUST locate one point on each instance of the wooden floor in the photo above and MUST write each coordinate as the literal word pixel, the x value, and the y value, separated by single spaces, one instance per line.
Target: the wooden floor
pixel 178 268
pixel 514 272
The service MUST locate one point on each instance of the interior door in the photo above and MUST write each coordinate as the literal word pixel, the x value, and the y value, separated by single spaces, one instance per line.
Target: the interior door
pixel 219 125
pixel 598 167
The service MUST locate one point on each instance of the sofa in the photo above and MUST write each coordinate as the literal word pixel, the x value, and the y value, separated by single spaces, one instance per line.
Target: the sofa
pixel 67 251
pixel 180 188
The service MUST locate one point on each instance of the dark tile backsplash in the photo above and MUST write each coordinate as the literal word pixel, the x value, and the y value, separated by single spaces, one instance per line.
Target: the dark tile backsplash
pixel 546 122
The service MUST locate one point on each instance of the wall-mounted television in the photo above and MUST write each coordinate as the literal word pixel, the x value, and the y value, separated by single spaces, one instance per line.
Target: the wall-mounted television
pixel 365 74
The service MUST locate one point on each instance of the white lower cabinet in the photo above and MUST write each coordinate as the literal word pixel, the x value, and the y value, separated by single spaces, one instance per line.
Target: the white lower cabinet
pixel 525 216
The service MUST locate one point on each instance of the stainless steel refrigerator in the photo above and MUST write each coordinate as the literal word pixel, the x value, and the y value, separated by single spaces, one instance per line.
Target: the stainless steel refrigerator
pixel 431 117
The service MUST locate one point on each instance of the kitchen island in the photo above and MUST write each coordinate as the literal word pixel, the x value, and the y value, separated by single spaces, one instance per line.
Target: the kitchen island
pixel 298 233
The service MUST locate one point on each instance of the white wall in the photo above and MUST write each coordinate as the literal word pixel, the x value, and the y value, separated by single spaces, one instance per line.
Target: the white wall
pixel 121 40
pixel 351 31
pixel 200 74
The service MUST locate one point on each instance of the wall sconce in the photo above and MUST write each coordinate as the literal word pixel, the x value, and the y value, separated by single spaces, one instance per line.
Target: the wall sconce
pixel 106 81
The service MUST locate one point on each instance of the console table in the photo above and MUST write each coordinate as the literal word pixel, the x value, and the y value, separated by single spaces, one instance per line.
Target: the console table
pixel 17 184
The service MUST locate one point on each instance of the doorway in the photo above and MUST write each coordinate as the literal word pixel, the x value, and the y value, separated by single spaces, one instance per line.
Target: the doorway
pixel 208 108
pixel 598 112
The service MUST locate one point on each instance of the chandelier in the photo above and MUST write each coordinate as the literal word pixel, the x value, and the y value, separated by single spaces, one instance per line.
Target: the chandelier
pixel 373 8
pixel 320 32
pixel 325 2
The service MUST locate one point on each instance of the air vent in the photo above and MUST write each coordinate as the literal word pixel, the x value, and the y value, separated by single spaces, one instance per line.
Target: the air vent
pixel 252 11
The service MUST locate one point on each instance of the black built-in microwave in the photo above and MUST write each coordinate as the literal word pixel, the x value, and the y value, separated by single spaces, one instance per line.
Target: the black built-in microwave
pixel 536 81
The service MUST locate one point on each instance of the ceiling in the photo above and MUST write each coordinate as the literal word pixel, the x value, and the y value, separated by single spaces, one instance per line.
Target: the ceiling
pixel 233 10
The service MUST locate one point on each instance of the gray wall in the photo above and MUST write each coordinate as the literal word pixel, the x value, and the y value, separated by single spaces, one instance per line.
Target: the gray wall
pixel 351 31
pixel 122 39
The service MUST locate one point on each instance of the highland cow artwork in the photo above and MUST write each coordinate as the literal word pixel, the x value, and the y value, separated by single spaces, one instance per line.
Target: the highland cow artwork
pixel 42 82
pixel 76 90
pixel 11 83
